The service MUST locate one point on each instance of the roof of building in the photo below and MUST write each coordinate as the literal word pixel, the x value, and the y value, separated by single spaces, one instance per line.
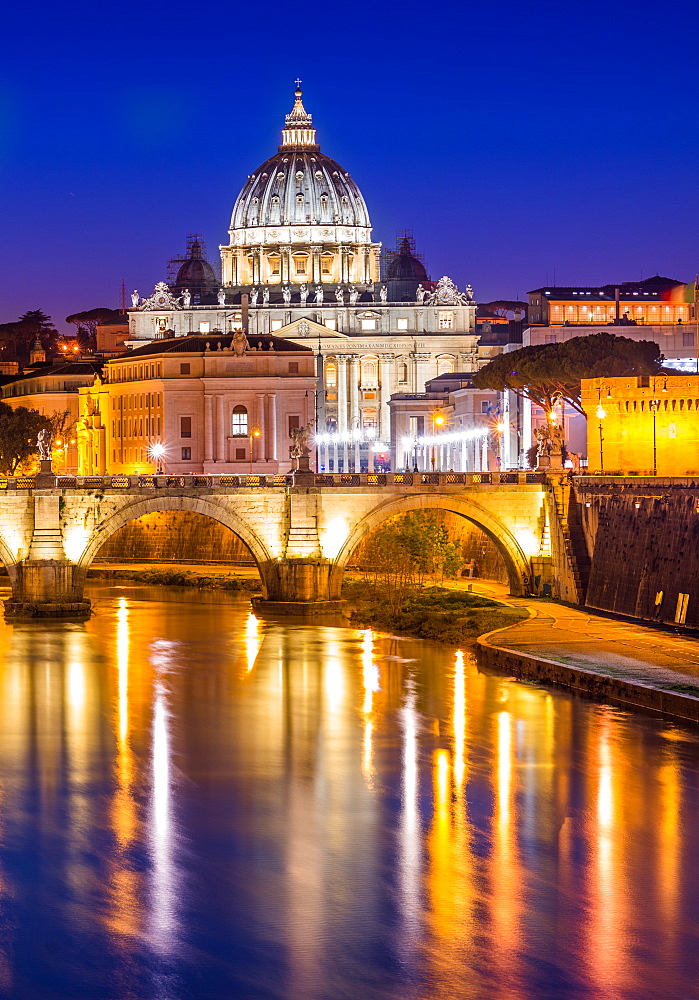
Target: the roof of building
pixel 656 287
pixel 212 342
pixel 299 184
pixel 63 368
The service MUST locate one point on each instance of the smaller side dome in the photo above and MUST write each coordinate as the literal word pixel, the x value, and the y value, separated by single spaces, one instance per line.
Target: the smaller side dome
pixel 196 274
pixel 403 271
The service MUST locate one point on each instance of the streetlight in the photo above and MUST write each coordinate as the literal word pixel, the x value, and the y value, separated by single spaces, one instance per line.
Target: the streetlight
pixel 158 453
pixel 654 405
pixel 438 421
pixel 254 433
pixel 601 414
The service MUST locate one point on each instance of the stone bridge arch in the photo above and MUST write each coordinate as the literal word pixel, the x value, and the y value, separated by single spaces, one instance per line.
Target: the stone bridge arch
pixel 516 562
pixel 7 559
pixel 266 564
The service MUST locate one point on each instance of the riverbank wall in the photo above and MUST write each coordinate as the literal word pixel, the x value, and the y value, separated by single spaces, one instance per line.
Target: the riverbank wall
pixel 602 687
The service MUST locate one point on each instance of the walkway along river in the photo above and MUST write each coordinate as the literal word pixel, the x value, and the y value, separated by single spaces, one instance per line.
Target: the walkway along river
pixel 195 803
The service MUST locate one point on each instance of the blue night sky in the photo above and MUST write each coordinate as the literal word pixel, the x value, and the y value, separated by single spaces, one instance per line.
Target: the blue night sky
pixel 513 138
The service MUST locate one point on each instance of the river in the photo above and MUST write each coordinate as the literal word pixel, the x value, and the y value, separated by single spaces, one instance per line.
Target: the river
pixel 195 803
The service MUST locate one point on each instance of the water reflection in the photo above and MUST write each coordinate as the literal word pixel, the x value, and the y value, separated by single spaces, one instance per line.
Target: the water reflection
pixel 196 802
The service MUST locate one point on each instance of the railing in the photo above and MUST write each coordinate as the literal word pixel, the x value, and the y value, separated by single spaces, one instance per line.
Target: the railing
pixel 339 480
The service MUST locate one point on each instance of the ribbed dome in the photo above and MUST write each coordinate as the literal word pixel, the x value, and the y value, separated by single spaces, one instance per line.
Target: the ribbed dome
pixel 299 185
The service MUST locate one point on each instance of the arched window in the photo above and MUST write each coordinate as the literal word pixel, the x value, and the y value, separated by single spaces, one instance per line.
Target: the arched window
pixel 331 376
pixel 324 208
pixel 239 422
pixel 368 373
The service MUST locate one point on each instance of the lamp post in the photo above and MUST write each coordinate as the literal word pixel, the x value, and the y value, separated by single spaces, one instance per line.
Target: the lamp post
pixel 601 414
pixel 158 453
pixel 438 421
pixel 254 433
pixel 654 405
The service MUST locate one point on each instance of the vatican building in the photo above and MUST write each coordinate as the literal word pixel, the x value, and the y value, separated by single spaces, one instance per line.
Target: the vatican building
pixel 300 263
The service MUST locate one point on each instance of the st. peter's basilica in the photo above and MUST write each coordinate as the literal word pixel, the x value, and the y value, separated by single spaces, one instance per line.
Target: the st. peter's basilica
pixel 300 263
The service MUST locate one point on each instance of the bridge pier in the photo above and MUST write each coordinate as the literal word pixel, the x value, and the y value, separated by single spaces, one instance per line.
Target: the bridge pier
pixel 298 587
pixel 47 588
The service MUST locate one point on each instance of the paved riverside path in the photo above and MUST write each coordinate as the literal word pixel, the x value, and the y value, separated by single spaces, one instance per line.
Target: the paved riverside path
pixel 580 638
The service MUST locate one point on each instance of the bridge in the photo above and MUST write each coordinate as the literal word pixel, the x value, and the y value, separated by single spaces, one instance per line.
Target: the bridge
pixel 301 528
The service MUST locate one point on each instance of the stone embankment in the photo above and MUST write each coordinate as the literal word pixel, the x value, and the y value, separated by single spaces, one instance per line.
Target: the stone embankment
pixel 608 659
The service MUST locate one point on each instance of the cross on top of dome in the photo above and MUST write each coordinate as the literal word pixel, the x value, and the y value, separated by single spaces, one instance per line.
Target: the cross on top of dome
pixel 299 129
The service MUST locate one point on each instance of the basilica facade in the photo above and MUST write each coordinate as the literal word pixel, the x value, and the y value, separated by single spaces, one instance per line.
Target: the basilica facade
pixel 300 263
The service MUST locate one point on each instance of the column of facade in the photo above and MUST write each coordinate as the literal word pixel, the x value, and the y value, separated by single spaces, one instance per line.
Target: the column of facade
pixel 315 265
pixel 342 369
pixel 385 388
pixel 419 373
pixel 220 431
pixel 273 429
pixel 255 254
pixel 285 269
pixel 208 428
pixel 262 424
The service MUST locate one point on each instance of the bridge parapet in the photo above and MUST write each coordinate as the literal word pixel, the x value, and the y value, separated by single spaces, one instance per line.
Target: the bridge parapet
pixel 350 479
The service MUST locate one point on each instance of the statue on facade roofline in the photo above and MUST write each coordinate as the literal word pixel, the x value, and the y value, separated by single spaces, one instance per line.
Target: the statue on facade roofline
pixel 253 296
pixel 353 295
pixel 303 292
pixel 240 343
pixel 383 294
pixel 135 298
pixel 318 298
pixel 339 295
pixel 420 294
pixel 469 293
pixel 265 296
pixel 286 295
pixel 186 298
pixel 221 297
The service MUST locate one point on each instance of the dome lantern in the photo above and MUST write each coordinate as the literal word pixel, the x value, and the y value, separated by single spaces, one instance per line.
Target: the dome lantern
pixel 299 129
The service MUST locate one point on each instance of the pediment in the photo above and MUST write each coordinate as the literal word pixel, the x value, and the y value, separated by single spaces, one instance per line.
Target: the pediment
pixel 369 314
pixel 305 329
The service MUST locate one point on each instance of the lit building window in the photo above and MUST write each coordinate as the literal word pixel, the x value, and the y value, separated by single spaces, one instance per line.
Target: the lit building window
pixel 276 325
pixel 331 376
pixel 326 264
pixel 275 264
pixel 368 373
pixel 204 327
pixel 331 324
pixel 368 324
pixel 446 320
pixel 239 421
pixel 300 265
pixel 401 324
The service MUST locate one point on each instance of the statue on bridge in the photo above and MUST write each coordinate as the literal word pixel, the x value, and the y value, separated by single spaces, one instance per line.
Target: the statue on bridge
pixel 299 450
pixel 43 443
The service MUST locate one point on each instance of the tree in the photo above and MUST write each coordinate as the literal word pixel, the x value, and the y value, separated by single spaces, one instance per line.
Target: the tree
pixel 17 338
pixel 545 373
pixel 87 323
pixel 19 430
pixel 406 550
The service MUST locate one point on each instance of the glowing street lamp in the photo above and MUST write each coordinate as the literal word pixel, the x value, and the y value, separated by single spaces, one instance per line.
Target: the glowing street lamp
pixel 654 405
pixel 158 453
pixel 438 422
pixel 601 414
pixel 254 433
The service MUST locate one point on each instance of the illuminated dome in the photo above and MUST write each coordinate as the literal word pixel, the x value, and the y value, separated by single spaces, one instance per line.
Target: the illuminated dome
pixel 300 198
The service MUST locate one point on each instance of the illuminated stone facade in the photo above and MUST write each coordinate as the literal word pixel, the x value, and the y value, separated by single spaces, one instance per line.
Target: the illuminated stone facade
pixel 655 301
pixel 643 424
pixel 300 264
pixel 211 405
